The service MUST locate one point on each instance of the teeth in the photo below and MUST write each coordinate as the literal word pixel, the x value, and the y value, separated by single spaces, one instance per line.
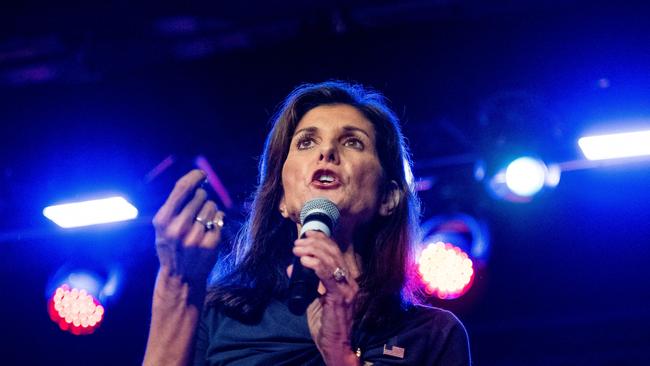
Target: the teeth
pixel 326 178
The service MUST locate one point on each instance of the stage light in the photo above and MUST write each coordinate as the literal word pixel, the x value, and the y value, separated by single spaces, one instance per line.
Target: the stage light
pixel 455 247
pixel 525 176
pixel 77 298
pixel 619 145
pixel 522 178
pixel 75 306
pixel 446 270
pixel 92 212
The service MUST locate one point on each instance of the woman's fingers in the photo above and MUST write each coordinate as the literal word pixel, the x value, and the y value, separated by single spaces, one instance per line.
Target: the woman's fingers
pixel 322 254
pixel 206 230
pixel 321 246
pixel 315 236
pixel 316 258
pixel 181 192
pixel 213 237
pixel 330 248
pixel 197 230
pixel 181 223
pixel 344 290
pixel 188 230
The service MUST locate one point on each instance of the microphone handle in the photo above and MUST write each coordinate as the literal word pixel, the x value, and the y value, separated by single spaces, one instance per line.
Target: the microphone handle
pixel 303 287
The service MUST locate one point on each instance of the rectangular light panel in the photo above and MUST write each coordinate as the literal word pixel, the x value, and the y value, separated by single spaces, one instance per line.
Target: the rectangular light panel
pixel 619 145
pixel 92 212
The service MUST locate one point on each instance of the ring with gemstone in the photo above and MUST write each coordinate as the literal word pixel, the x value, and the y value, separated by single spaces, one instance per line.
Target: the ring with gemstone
pixel 209 225
pixel 339 274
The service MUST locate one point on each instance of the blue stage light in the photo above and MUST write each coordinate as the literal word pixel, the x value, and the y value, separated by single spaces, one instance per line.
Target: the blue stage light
pixel 525 176
pixel 522 178
pixel 619 145
pixel 92 212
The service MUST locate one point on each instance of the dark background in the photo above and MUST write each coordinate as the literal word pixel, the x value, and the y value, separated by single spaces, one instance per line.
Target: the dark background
pixel 92 97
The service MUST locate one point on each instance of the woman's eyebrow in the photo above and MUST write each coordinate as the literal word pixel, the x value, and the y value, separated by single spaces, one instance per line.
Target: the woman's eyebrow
pixel 347 128
pixel 353 128
pixel 306 129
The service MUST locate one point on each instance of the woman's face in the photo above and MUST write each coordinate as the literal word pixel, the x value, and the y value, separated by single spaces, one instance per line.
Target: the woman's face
pixel 333 155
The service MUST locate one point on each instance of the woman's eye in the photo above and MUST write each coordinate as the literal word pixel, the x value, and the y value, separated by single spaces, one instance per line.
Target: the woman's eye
pixel 353 142
pixel 305 143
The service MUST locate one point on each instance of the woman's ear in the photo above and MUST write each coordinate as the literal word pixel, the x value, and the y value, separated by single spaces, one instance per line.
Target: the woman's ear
pixel 390 200
pixel 282 207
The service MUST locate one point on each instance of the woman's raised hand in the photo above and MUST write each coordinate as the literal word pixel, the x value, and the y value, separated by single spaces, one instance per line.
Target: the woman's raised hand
pixel 188 229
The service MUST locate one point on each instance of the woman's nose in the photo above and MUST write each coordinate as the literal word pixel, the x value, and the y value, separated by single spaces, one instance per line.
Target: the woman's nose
pixel 329 153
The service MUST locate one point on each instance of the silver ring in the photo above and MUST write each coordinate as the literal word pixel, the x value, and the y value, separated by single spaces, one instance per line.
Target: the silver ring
pixel 214 223
pixel 202 222
pixel 339 274
pixel 208 225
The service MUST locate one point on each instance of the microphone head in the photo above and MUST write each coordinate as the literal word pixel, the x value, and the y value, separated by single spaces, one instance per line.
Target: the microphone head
pixel 320 206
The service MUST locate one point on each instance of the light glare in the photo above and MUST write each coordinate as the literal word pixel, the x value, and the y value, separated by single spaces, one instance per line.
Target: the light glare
pixel 525 176
pixel 619 145
pixel 92 212
pixel 75 310
pixel 446 270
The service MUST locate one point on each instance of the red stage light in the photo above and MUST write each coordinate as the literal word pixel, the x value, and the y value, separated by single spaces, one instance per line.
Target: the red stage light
pixel 75 310
pixel 446 270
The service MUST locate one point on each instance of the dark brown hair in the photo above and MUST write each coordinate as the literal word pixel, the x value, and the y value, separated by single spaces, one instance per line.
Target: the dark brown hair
pixel 255 270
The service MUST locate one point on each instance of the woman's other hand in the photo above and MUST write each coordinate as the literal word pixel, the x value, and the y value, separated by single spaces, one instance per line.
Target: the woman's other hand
pixel 188 229
pixel 330 316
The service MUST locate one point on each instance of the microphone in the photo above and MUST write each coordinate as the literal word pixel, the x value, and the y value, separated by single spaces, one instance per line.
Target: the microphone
pixel 318 214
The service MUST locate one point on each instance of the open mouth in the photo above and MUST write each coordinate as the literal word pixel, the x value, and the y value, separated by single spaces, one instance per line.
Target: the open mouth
pixel 326 178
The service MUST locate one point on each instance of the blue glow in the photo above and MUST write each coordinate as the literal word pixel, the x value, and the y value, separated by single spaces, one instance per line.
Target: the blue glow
pixel 85 281
pixel 462 230
pixel 92 212
pixel 619 145
pixel 112 284
pixel 525 176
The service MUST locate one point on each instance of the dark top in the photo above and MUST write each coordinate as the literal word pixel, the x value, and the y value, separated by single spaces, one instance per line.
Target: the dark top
pixel 422 336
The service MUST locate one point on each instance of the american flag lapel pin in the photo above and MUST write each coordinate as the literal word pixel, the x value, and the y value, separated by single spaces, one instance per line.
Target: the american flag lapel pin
pixel 394 351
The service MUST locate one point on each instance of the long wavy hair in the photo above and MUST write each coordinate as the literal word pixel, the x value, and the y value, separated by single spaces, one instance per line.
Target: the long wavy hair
pixel 254 271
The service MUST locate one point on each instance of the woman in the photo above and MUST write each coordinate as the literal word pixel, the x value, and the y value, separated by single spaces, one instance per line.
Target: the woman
pixel 333 140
